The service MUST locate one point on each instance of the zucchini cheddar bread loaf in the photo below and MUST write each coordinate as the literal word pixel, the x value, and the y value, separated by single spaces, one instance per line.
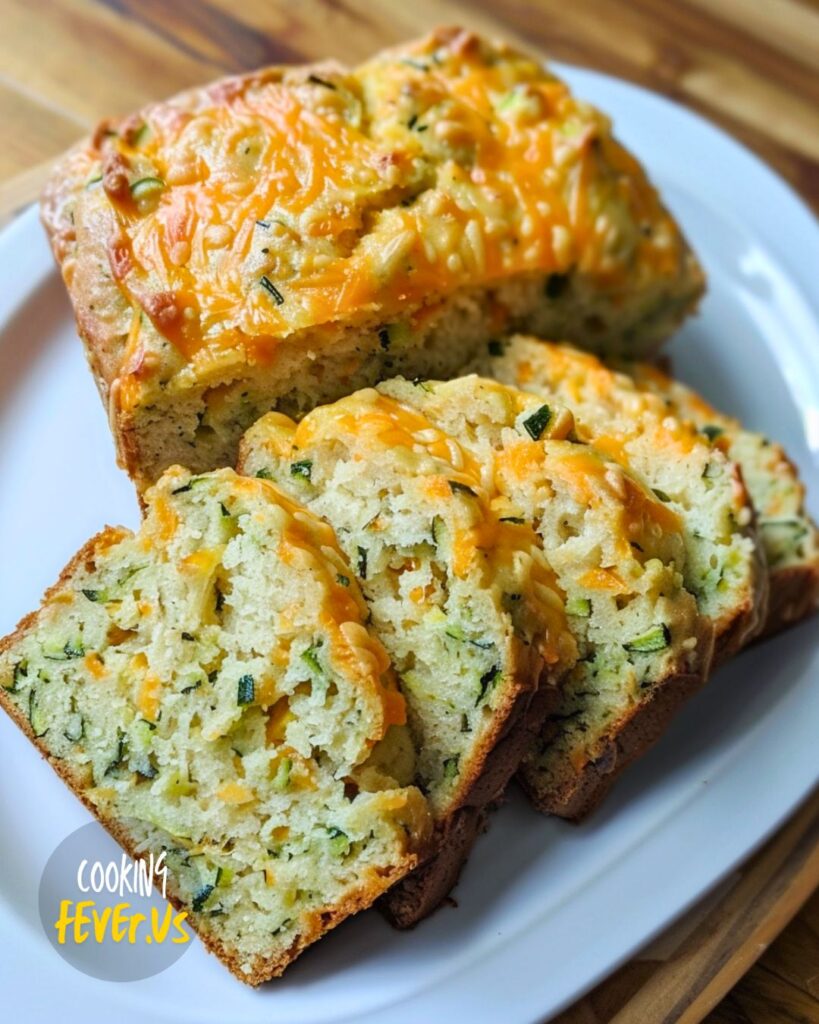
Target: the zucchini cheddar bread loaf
pixel 788 535
pixel 208 687
pixel 280 239
pixel 725 566
pixel 620 556
pixel 460 595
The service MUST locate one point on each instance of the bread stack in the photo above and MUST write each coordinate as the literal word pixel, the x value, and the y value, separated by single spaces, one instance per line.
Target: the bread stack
pixel 398 546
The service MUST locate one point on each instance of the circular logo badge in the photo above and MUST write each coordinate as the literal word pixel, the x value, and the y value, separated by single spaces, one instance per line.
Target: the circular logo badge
pixel 102 912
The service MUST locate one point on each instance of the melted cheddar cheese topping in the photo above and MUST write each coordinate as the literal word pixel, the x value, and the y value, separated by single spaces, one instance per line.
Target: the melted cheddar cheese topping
pixel 290 200
pixel 308 544
pixel 582 380
pixel 528 473
pixel 447 474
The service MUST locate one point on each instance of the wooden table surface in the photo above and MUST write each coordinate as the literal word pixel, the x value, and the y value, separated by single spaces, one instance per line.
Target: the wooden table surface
pixel 752 66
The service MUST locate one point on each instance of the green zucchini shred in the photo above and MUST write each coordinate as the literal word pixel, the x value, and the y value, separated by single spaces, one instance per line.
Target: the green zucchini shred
pixel 271 289
pixel 146 187
pixel 303 468
pixel 455 486
pixel 202 896
pixel 36 715
pixel 456 632
pixel 53 651
pixel 75 727
pixel 281 780
pixel 119 754
pixel 246 689
pixel 194 480
pixel 339 841
pixel 433 529
pixel 310 658
pixel 655 639
pixel 451 767
pixel 140 135
pixel 537 422
pixel 580 606
pixel 512 99
pixel 19 672
pixel 712 432
pixel 487 681
pixel 132 570
pixel 139 749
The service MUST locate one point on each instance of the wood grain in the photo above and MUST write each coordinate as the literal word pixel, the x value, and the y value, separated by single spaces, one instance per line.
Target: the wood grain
pixel 751 66
pixel 686 985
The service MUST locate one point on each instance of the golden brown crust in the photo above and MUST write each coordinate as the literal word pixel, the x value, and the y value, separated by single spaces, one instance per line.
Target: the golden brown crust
pixel 103 345
pixel 422 891
pixel 320 920
pixel 744 627
pixel 794 595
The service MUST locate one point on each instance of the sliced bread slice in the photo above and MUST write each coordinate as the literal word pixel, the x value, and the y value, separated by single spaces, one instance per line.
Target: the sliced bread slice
pixel 725 565
pixel 464 602
pixel 208 687
pixel 619 554
pixel 788 534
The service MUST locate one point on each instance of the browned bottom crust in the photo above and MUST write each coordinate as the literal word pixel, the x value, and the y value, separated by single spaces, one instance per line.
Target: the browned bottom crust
pixel 320 920
pixel 422 891
pixel 745 627
pixel 578 793
pixel 794 595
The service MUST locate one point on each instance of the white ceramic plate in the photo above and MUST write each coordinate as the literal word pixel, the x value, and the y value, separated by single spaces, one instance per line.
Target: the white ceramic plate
pixel 545 909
